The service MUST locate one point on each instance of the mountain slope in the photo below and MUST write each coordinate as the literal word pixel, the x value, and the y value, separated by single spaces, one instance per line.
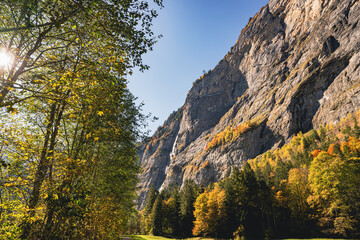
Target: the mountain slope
pixel 295 66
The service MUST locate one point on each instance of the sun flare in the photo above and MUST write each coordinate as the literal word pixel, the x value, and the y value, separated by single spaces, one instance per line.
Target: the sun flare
pixel 5 59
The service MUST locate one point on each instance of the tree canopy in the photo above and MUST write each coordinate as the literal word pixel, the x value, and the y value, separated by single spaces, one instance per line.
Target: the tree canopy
pixel 309 187
pixel 68 124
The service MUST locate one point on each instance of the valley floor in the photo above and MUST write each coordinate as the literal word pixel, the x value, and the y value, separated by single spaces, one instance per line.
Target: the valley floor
pixel 149 237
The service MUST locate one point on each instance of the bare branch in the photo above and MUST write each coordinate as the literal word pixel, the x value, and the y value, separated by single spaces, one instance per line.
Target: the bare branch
pixel 20 28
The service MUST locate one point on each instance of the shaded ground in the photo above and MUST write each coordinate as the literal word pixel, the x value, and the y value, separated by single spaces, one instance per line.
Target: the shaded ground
pixel 149 237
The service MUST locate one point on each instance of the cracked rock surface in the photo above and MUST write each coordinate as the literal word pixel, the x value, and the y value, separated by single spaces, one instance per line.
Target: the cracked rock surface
pixel 295 66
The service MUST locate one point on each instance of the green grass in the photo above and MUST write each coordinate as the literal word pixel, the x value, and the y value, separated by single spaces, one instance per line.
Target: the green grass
pixel 149 237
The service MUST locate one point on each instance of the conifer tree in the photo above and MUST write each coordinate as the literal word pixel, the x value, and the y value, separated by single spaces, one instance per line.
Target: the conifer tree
pixel 187 198
pixel 157 216
pixel 175 217
pixel 150 200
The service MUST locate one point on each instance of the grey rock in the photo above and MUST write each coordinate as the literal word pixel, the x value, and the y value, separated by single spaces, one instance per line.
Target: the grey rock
pixel 294 67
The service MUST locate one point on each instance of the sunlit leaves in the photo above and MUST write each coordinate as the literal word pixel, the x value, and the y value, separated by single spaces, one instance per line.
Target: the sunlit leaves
pixel 209 212
pixel 70 151
pixel 316 176
pixel 230 134
pixel 334 182
pixel 113 34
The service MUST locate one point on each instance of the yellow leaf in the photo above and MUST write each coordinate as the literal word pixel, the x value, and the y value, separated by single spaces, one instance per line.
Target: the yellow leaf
pixel 100 113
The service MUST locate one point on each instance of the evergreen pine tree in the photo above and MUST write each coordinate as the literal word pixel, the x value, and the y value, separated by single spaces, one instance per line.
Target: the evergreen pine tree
pixel 175 221
pixel 187 198
pixel 150 200
pixel 156 216
pixel 356 130
pixel 232 220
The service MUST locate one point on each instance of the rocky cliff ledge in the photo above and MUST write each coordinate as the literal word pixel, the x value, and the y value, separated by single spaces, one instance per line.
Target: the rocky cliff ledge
pixel 295 66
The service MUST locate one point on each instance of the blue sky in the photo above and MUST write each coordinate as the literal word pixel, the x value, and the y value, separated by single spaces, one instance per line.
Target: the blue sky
pixel 197 34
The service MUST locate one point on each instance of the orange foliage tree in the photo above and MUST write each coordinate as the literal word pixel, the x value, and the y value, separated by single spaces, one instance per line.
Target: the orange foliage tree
pixel 209 212
pixel 230 134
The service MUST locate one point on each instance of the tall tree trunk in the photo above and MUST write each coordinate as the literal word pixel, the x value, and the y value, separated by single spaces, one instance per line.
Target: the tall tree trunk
pixel 56 111
pixel 68 180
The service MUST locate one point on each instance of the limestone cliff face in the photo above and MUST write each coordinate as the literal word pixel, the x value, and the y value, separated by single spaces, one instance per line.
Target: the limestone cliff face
pixel 296 65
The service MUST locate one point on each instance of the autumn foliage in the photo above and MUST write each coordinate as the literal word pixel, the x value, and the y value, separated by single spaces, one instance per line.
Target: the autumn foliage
pixel 309 187
pixel 316 177
pixel 230 134
pixel 209 212
pixel 68 123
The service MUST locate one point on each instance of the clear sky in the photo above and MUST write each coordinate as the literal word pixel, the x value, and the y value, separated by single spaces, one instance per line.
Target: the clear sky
pixel 197 34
